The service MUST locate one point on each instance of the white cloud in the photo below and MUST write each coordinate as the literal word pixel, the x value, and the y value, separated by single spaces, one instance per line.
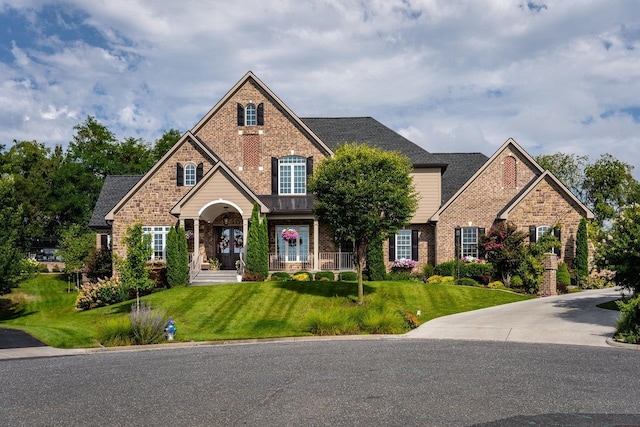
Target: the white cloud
pixel 449 75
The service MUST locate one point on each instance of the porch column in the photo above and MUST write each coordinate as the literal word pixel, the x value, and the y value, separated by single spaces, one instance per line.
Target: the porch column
pixel 182 223
pixel 316 245
pixel 245 233
pixel 196 239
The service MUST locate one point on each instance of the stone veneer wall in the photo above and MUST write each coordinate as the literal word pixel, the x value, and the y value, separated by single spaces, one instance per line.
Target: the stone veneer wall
pixel 153 201
pixel 480 203
pixel 278 137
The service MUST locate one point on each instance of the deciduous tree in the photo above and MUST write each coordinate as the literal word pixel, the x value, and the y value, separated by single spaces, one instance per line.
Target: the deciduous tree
pixel 363 193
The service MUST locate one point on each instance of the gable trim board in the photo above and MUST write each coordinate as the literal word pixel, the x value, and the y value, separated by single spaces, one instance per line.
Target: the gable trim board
pixel 252 77
pixel 187 137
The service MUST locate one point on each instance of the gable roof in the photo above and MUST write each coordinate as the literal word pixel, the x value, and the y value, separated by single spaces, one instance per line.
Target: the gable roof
pixel 188 136
pixel 220 165
pixel 250 77
pixel 336 131
pixel 504 214
pixel 113 190
pixel 461 166
pixel 509 142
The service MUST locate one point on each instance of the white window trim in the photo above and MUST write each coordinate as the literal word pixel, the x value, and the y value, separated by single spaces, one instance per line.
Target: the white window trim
pixel 162 231
pixel 254 115
pixel 406 248
pixel 291 174
pixel 187 167
pixel 470 244
pixel 540 230
pixel 299 256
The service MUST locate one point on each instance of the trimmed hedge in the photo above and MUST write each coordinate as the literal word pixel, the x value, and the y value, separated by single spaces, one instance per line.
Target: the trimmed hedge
pixel 325 276
pixel 302 276
pixel 349 276
pixel 280 276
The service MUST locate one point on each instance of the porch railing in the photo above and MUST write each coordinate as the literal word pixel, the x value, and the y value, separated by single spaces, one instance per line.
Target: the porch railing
pixel 194 267
pixel 331 261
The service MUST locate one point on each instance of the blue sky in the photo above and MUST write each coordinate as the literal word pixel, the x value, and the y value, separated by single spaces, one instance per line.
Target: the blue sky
pixel 453 76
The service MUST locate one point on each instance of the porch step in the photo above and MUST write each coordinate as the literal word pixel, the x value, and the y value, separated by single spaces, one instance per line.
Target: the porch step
pixel 213 277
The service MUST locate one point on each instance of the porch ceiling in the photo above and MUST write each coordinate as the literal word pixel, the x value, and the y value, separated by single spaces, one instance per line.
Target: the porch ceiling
pixel 214 211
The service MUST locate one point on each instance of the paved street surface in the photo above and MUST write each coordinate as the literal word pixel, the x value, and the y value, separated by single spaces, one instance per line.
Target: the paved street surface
pixel 563 319
pixel 389 381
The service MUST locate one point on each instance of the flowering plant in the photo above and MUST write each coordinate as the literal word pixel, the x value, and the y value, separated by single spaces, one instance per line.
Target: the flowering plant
pixel 471 259
pixel 289 234
pixel 189 234
pixel 404 263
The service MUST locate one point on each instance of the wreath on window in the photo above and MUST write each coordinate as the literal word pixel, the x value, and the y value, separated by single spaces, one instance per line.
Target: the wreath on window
pixel 238 241
pixel 223 243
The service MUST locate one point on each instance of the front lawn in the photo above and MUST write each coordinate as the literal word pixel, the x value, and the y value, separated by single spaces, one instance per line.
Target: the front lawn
pixel 42 307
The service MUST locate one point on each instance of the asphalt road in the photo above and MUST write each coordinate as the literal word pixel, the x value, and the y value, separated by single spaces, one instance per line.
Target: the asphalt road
pixel 392 381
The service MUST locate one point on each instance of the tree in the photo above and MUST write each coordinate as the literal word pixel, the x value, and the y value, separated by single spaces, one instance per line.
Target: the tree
pixel 363 193
pixel 581 261
pixel 166 141
pixel 609 185
pixel 619 252
pixel 177 262
pixel 257 245
pixel 376 268
pixel 183 256
pixel 10 218
pixel 76 244
pixel 133 268
pixel 568 168
pixel 504 249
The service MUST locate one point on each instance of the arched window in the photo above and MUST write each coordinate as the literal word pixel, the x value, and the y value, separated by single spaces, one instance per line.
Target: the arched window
pixel 190 175
pixel 250 115
pixel 292 175
pixel 509 172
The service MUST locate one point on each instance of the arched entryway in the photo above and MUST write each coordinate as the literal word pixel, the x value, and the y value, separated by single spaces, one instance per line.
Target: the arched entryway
pixel 222 231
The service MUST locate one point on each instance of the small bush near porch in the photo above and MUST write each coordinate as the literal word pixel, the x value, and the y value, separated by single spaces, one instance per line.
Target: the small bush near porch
pixel 42 307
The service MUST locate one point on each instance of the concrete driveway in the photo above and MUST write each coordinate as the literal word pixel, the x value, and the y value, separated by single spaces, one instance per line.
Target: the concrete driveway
pixel 563 319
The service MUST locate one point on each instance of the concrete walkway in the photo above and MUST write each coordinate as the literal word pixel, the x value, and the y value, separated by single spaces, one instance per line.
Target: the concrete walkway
pixel 562 319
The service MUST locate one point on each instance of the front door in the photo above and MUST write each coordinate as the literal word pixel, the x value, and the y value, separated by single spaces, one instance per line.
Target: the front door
pixel 229 245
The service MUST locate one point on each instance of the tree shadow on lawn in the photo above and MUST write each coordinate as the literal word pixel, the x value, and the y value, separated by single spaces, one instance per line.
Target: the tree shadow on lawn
pixel 326 289
pixel 10 310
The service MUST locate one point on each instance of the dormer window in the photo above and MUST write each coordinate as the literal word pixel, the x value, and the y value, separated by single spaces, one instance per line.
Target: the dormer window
pixel 251 114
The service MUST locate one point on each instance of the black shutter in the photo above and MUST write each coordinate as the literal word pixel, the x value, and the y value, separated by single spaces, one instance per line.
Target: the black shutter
pixel 414 245
pixel 274 175
pixel 260 114
pixel 179 175
pixel 104 241
pixel 199 172
pixel 558 249
pixel 481 232
pixel 392 248
pixel 532 234
pixel 240 115
pixel 458 242
pixel 309 166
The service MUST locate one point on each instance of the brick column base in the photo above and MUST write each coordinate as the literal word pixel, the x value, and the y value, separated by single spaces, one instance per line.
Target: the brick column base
pixel 548 286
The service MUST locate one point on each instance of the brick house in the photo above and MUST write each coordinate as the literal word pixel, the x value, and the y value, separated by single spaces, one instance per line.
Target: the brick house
pixel 251 148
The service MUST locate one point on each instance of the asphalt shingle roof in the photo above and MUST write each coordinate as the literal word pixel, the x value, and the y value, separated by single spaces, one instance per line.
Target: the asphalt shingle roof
pixel 336 131
pixel 461 167
pixel 115 187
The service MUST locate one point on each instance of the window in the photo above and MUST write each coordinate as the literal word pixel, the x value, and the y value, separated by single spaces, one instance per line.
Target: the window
pixel 541 230
pixel 293 250
pixel 403 244
pixel 190 175
pixel 292 175
pixel 470 242
pixel 250 116
pixel 536 232
pixel 158 241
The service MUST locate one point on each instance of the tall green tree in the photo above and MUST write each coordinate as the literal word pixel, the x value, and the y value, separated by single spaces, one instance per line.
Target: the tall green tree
pixel 568 168
pixel 363 193
pixel 183 255
pixel 76 244
pixel 10 218
pixel 133 268
pixel 609 185
pixel 257 245
pixel 164 143
pixel 177 257
pixel 581 261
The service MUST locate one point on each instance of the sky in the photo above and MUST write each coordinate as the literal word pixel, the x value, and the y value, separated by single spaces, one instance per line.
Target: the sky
pixel 452 76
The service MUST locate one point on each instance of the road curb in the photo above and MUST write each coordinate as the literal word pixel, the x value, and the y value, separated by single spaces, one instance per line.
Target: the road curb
pixel 618 344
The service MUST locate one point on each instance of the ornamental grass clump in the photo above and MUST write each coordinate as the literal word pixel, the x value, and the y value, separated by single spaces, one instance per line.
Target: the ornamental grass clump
pixel 147 325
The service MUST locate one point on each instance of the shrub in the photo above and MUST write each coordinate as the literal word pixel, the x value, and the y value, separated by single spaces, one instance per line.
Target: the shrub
pixel 397 276
pixel 516 282
pixel 99 265
pixel 252 277
pixel 411 320
pixel 595 282
pixel 376 269
pixel 302 276
pixel 115 332
pixel 562 275
pixel 55 268
pixel 147 325
pixel 42 268
pixel 348 276
pixel 496 285
pixel 332 322
pixel 447 268
pixel 325 276
pixel 467 281
pixel 581 261
pixel 428 270
pixel 382 321
pixel 280 276
pixel 100 294
pixel 434 279
pixel 628 325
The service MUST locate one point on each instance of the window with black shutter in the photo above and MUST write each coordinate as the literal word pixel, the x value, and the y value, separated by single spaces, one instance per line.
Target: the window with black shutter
pixel 392 247
pixel 179 175
pixel 414 245
pixel 199 172
pixel 240 115
pixel 260 114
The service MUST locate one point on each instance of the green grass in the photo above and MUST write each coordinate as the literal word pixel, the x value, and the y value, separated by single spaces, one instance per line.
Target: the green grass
pixel 42 307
